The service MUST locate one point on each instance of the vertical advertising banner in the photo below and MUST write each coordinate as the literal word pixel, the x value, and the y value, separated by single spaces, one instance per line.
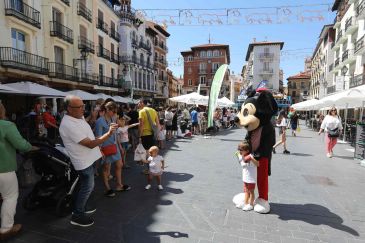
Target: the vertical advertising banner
pixel 214 92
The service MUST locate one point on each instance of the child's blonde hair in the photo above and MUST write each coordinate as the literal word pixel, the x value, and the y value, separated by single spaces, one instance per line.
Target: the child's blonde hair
pixel 244 146
pixel 153 148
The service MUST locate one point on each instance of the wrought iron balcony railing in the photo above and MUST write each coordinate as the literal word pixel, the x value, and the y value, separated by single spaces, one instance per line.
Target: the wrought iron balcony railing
pixel 114 34
pixel 61 31
pixel 108 81
pixel 62 71
pixel 357 80
pixel 67 2
pixel 337 62
pixel 359 44
pixel 23 12
pixel 83 11
pixel 86 45
pixel 89 78
pixel 104 53
pixel 331 89
pixel 17 59
pixel 101 25
pixel 360 8
pixel 114 58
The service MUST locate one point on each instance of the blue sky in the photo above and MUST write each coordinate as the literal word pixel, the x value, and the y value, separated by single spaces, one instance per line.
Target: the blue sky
pixel 300 37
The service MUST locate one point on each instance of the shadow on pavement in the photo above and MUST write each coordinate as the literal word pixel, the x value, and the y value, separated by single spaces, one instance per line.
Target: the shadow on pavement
pixel 301 154
pixel 343 157
pixel 311 213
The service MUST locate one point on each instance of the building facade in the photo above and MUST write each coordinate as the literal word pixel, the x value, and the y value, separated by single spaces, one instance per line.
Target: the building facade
pixel 136 50
pixel 298 87
pixel 263 64
pixel 320 67
pixel 347 65
pixel 200 65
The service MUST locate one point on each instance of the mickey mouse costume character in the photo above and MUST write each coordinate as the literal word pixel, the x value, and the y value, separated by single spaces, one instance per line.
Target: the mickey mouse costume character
pixel 255 116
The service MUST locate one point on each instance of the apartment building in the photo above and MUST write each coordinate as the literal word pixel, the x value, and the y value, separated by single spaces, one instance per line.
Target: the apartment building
pixel 200 65
pixel 347 63
pixel 173 84
pixel 64 44
pixel 298 87
pixel 160 62
pixel 321 74
pixel 263 64
pixel 136 49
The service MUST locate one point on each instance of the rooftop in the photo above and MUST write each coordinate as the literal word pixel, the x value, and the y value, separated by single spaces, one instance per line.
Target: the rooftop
pixel 301 75
pixel 210 46
pixel 262 43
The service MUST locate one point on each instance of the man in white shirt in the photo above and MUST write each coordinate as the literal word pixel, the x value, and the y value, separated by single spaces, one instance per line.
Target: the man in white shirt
pixel 82 147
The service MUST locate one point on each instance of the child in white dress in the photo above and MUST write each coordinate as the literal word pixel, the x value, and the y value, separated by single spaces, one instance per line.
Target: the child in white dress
pixel 156 167
pixel 249 174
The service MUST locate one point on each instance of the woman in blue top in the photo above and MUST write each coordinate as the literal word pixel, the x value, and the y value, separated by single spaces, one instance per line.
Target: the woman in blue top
pixel 101 126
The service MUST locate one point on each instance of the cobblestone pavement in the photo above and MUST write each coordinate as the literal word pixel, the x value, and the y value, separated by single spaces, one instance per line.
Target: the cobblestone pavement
pixel 313 199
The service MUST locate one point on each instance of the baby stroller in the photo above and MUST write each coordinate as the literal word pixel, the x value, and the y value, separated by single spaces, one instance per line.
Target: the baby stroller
pixel 58 180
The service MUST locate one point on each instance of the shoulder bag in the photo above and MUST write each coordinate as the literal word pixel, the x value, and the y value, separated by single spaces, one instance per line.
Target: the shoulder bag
pixel 110 149
pixel 333 133
pixel 153 125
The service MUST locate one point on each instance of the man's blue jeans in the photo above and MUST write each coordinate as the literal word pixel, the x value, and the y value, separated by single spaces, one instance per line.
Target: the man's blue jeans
pixel 86 180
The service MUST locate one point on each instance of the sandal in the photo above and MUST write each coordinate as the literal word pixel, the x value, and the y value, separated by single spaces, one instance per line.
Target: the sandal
pixel 124 188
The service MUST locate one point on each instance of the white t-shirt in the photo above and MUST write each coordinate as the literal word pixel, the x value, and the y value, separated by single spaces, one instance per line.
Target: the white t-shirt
pixel 72 131
pixel 283 122
pixel 331 122
pixel 123 134
pixel 249 171
pixel 155 164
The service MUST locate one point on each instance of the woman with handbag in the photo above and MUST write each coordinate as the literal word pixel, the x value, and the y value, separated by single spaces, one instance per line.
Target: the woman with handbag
pixel 332 126
pixel 110 149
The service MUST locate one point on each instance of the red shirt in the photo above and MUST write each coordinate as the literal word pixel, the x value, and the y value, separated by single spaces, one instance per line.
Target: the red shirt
pixel 47 117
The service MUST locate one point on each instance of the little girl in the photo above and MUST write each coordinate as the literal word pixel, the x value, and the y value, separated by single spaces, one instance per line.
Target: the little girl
pixel 161 135
pixel 123 139
pixel 156 167
pixel 249 174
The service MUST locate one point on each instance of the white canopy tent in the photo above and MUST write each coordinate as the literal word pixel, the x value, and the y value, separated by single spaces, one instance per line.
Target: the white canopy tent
pixel 125 100
pixel 308 105
pixel 83 94
pixel 225 102
pixel 34 89
pixel 104 96
pixel 191 99
pixel 6 89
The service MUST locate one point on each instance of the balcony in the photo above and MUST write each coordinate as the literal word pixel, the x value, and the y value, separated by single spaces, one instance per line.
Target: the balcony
pixel 202 71
pixel 331 89
pixel 83 11
pixel 108 82
pixel 89 78
pixel 135 43
pixel 339 36
pixel 61 71
pixel 114 58
pixel 145 46
pixel 357 81
pixel 23 12
pixel 114 35
pixel 350 25
pixel 348 56
pixel 162 46
pixel 17 59
pixel 61 31
pixel 266 55
pixel 360 9
pixel 359 44
pixel 337 62
pixel 330 68
pixel 67 2
pixel 101 25
pixel 86 45
pixel 266 71
pixel 162 61
pixel 104 53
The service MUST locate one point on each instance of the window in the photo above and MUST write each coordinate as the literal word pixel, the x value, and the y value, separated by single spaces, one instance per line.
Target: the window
pixel 203 54
pixel 56 15
pixel 215 66
pixel 190 58
pixel 202 80
pixel 209 53
pixel 112 48
pixel 216 53
pixel 202 67
pixel 266 50
pixel 190 70
pixel 58 54
pixel 190 83
pixel 266 66
pixel 18 40
pixel 112 71
pixel 101 70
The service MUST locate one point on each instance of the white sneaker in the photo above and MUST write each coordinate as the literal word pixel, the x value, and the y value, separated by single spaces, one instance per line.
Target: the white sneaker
pixel 329 155
pixel 247 207
pixel 160 187
pixel 148 187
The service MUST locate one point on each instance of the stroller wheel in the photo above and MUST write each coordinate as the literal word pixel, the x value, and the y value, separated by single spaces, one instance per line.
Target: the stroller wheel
pixel 30 203
pixel 64 205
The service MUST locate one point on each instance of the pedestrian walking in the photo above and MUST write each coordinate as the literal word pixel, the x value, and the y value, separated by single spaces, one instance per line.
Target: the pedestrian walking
pixel 194 121
pixel 123 138
pixel 10 141
pixel 82 147
pixel 110 149
pixel 156 167
pixel 249 174
pixel 294 123
pixel 332 126
pixel 145 127
pixel 169 116
pixel 282 123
